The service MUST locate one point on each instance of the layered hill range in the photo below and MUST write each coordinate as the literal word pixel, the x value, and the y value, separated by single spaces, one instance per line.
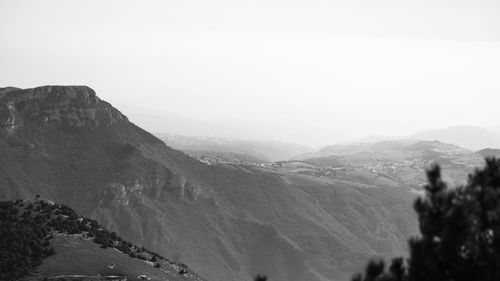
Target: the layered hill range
pixel 225 221
pixel 401 162
pixel 470 137
pixel 258 151
pixel 391 163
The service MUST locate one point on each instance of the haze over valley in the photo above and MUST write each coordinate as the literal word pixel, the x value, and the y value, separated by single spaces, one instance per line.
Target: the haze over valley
pixel 249 140
pixel 318 215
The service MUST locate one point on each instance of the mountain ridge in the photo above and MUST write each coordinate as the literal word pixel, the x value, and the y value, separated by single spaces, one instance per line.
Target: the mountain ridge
pixel 466 136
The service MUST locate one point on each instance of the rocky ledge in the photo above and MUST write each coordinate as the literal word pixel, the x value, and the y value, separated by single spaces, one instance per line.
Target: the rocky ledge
pixel 68 106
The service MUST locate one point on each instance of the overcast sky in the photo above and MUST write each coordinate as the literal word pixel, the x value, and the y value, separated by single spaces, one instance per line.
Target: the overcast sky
pixel 312 72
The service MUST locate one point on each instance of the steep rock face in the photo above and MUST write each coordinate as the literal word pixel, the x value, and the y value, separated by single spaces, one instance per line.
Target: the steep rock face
pixel 72 140
pixel 70 106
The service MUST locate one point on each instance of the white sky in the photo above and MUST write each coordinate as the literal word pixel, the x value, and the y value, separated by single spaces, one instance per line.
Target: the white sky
pixel 312 72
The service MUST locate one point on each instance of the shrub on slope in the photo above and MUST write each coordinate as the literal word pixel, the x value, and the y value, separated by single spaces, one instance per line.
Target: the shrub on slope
pixel 24 241
pixel 26 228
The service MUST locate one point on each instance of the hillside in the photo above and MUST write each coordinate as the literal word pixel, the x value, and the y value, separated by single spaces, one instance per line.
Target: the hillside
pixel 469 137
pixel 396 162
pixel 489 152
pixel 215 157
pixel 41 239
pixel 226 221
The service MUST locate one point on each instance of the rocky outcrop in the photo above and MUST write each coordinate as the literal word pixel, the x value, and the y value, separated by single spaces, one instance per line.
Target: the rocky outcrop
pixel 59 106
pixel 157 188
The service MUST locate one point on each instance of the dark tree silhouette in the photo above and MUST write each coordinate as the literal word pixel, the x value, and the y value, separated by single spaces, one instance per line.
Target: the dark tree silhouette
pixel 260 278
pixel 460 232
pixel 25 234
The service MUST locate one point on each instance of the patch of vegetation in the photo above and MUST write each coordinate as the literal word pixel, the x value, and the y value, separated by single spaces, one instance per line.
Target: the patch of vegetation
pixel 24 240
pixel 26 228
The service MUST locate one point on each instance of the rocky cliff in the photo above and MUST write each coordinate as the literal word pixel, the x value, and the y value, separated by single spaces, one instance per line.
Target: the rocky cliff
pixel 69 106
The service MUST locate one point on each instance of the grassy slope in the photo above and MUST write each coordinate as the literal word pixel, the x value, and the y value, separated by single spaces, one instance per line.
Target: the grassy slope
pixel 79 256
pixel 77 247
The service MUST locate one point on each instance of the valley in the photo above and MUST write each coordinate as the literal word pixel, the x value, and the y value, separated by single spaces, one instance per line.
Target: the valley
pixel 226 214
pixel 272 140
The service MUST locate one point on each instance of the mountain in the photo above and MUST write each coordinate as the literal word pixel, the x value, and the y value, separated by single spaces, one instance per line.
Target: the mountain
pixel 225 221
pixel 489 152
pixel 471 137
pixel 261 149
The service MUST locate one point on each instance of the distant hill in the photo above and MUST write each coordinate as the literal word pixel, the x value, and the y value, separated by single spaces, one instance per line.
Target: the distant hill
pixel 397 149
pixel 260 149
pixel 402 161
pixel 489 152
pixel 226 222
pixel 471 137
